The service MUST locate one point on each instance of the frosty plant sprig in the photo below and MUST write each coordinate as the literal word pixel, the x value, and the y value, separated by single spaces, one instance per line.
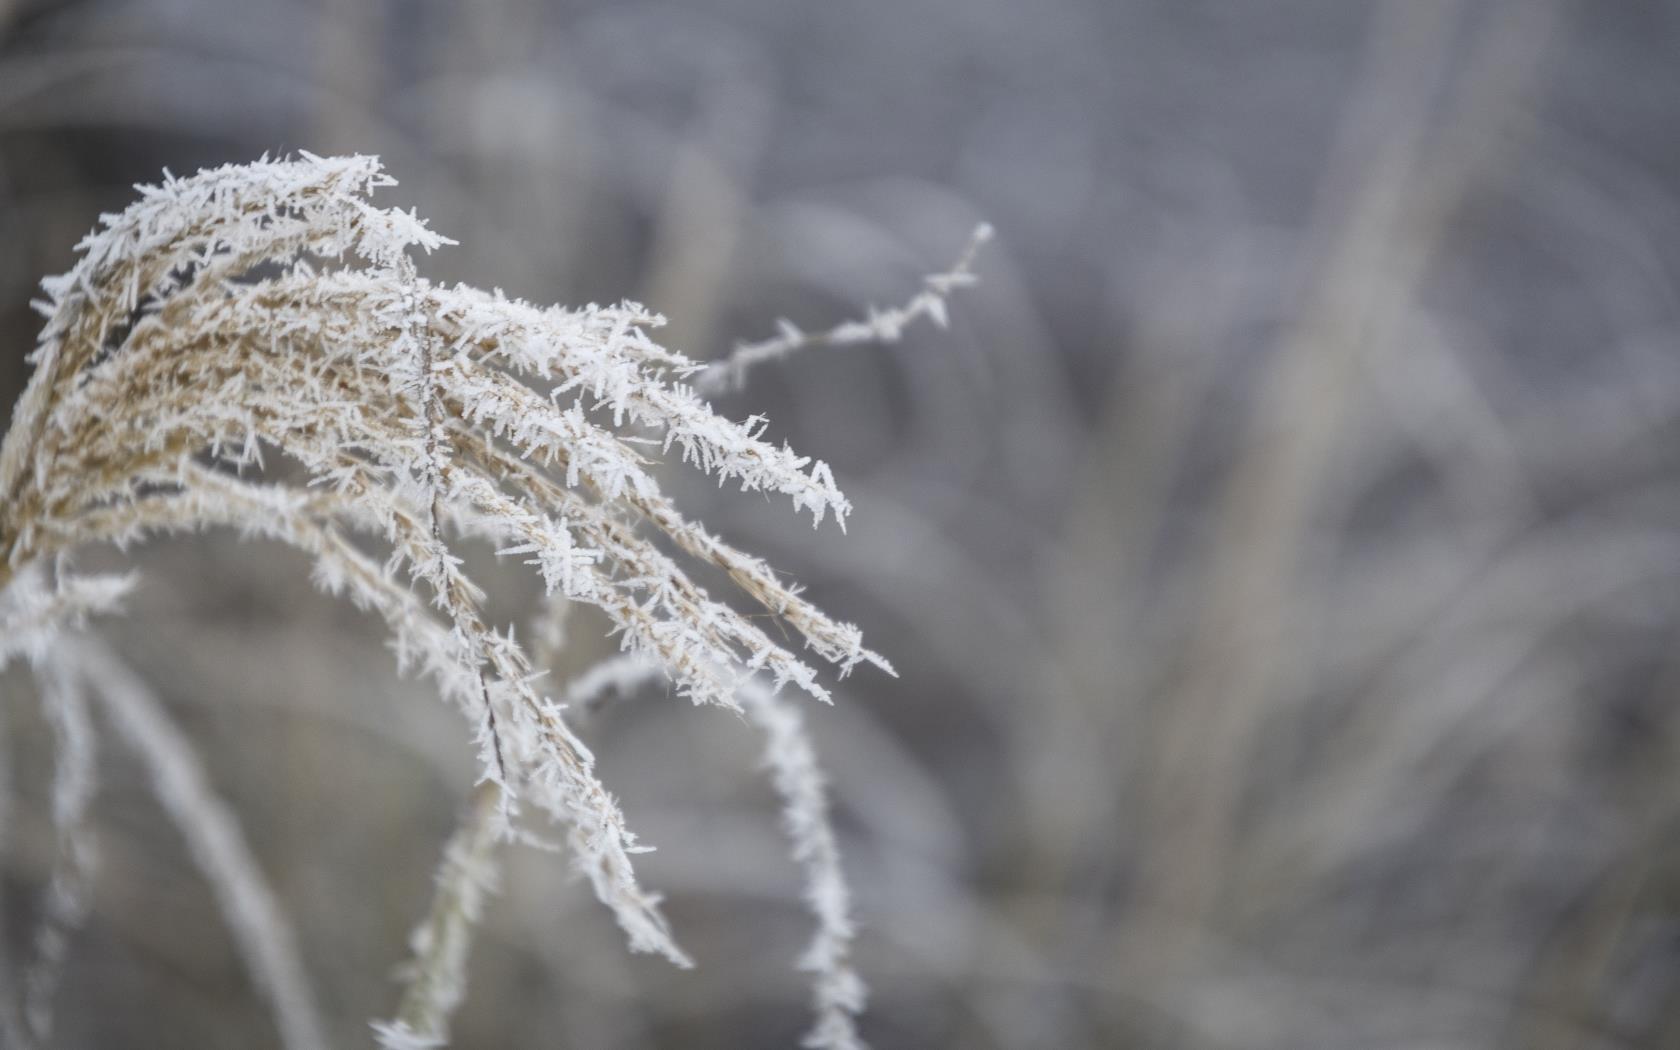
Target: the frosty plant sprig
pixel 271 309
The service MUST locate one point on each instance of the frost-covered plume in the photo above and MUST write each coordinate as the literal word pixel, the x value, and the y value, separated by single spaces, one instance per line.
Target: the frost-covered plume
pixel 270 310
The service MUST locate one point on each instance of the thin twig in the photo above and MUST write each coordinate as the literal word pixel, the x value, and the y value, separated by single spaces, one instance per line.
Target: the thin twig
pixel 878 326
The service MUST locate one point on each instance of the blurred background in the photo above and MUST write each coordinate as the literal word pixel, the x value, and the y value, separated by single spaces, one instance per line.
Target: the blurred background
pixel 1280 550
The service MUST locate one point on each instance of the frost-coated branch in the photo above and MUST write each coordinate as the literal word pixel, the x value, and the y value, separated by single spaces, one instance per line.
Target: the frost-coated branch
pixel 837 991
pixel 271 310
pixel 437 975
pixel 877 326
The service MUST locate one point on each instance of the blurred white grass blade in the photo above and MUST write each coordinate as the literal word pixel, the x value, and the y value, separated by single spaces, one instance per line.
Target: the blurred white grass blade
pixel 33 611
pixel 260 929
pixel 75 780
pixel 606 680
pixel 878 326
pixel 11 1017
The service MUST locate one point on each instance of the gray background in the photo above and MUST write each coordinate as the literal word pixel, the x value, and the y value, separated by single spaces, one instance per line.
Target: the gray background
pixel 1279 550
